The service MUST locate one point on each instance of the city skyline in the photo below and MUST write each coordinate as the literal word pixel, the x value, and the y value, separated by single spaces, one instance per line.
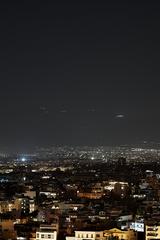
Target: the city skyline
pixel 79 74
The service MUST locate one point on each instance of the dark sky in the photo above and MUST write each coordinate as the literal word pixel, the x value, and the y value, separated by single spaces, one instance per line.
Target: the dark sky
pixel 79 73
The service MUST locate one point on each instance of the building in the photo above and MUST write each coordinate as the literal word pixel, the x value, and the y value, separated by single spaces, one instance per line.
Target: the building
pixel 80 235
pixel 90 195
pixel 90 235
pixel 46 232
pixel 104 235
pixel 7 229
pixel 137 226
pixel 152 232
pixel 120 235
pixel 32 206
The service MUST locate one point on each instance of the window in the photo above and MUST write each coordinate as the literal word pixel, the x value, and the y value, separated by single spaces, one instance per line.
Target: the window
pixel 49 235
pixel 97 235
pixel 42 235
pixel 37 235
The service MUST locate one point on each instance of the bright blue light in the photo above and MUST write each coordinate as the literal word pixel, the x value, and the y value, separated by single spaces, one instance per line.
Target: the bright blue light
pixel 23 159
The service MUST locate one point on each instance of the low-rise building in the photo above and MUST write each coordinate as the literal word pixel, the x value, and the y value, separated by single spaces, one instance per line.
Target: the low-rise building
pixel 46 232
pixel 152 232
pixel 120 235
pixel 104 235
pixel 90 235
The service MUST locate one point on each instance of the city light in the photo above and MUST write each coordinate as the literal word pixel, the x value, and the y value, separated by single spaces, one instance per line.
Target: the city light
pixel 23 159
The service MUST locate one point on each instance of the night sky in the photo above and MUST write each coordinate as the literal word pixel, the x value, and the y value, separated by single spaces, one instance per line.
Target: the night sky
pixel 79 73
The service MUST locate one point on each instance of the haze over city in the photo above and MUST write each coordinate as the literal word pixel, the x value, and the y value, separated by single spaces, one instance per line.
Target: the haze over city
pixel 78 73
